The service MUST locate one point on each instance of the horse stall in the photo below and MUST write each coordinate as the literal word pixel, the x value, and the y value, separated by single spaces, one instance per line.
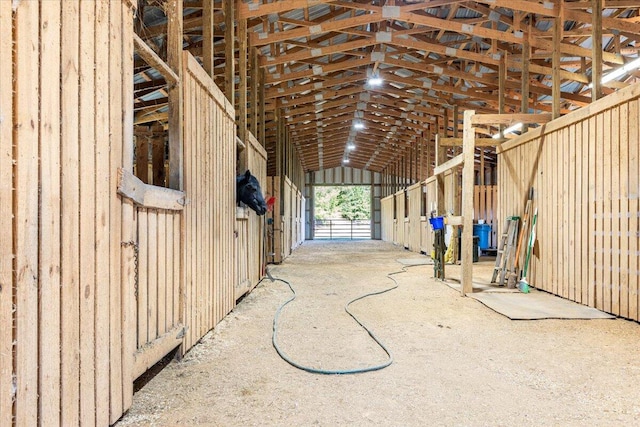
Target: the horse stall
pixel 400 202
pixel 285 221
pixel 386 218
pixel 583 168
pixel 250 228
pixel 103 273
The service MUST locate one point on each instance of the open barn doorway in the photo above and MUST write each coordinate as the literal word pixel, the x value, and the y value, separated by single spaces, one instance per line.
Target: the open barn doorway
pixel 342 212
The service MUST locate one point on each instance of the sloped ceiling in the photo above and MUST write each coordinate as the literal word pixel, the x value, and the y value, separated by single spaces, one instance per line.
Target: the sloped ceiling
pixel 435 58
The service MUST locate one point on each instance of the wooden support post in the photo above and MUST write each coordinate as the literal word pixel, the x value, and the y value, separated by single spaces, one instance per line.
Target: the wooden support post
pixel 526 54
pixel 261 113
pixel 596 47
pixel 142 158
pixel 456 118
pixel 174 60
pixel 157 152
pixel 440 159
pixel 208 28
pixel 255 76
pixel 230 50
pixel 242 74
pixel 555 67
pixel 502 77
pixel 467 203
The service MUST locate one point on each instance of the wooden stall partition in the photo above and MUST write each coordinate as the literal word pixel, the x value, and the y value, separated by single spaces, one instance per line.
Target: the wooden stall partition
pixel 209 215
pixel 250 228
pixel 288 216
pixel 584 170
pixel 485 206
pixel 414 234
pixel 431 194
pixel 65 115
pixel 243 282
pixel 386 215
pixel 275 235
pixel 159 274
pixel 400 216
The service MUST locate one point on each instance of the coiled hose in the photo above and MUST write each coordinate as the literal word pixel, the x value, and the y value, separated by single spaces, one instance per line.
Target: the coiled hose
pixel 293 363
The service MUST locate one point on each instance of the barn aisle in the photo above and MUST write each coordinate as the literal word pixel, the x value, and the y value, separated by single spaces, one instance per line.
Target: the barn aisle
pixel 456 362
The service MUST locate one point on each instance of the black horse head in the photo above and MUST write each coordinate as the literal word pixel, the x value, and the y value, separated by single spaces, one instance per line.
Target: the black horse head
pixel 248 191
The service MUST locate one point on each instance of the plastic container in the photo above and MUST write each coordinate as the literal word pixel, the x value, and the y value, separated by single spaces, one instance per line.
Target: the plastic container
pixel 437 223
pixel 482 231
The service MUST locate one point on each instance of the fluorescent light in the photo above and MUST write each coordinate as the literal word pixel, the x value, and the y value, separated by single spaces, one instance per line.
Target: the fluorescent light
pixel 345 160
pixel 635 64
pixel 375 81
pixel 351 146
pixel 510 129
pixel 358 125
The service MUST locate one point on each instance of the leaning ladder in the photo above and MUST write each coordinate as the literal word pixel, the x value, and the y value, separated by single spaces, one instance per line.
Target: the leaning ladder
pixel 504 257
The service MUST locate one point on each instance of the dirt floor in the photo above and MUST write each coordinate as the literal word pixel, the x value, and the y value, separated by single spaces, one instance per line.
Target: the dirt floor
pixel 456 362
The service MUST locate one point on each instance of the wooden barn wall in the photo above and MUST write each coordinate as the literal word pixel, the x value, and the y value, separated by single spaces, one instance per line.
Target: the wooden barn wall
pixel 426 235
pixel 249 226
pixel 409 227
pixel 209 182
pixel 386 214
pixel 400 217
pixel 415 223
pixel 584 169
pixel 158 288
pixel 65 276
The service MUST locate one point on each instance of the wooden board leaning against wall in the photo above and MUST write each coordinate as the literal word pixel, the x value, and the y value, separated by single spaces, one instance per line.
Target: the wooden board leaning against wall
pixel 584 170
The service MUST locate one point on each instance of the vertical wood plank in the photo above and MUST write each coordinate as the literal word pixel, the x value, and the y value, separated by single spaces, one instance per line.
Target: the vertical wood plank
pixel 115 82
pixel 70 229
pixel 599 215
pixel 87 215
pixel 634 209
pixel 567 195
pixel 578 255
pixel 594 195
pixel 6 214
pixel 152 275
pixel 607 193
pixel 129 226
pixel 49 232
pixel 623 172
pixel 614 210
pixel 178 269
pixel 26 135
pixel 163 262
pixel 585 229
pixel 102 221
pixel 572 195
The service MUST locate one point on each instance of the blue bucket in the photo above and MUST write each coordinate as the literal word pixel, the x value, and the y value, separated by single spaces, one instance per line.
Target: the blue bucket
pixel 482 231
pixel 437 223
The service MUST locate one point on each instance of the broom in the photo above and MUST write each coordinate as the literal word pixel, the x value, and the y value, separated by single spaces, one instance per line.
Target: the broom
pixel 523 285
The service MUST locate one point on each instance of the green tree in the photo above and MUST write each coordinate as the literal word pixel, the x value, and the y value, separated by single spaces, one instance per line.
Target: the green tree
pixel 350 202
